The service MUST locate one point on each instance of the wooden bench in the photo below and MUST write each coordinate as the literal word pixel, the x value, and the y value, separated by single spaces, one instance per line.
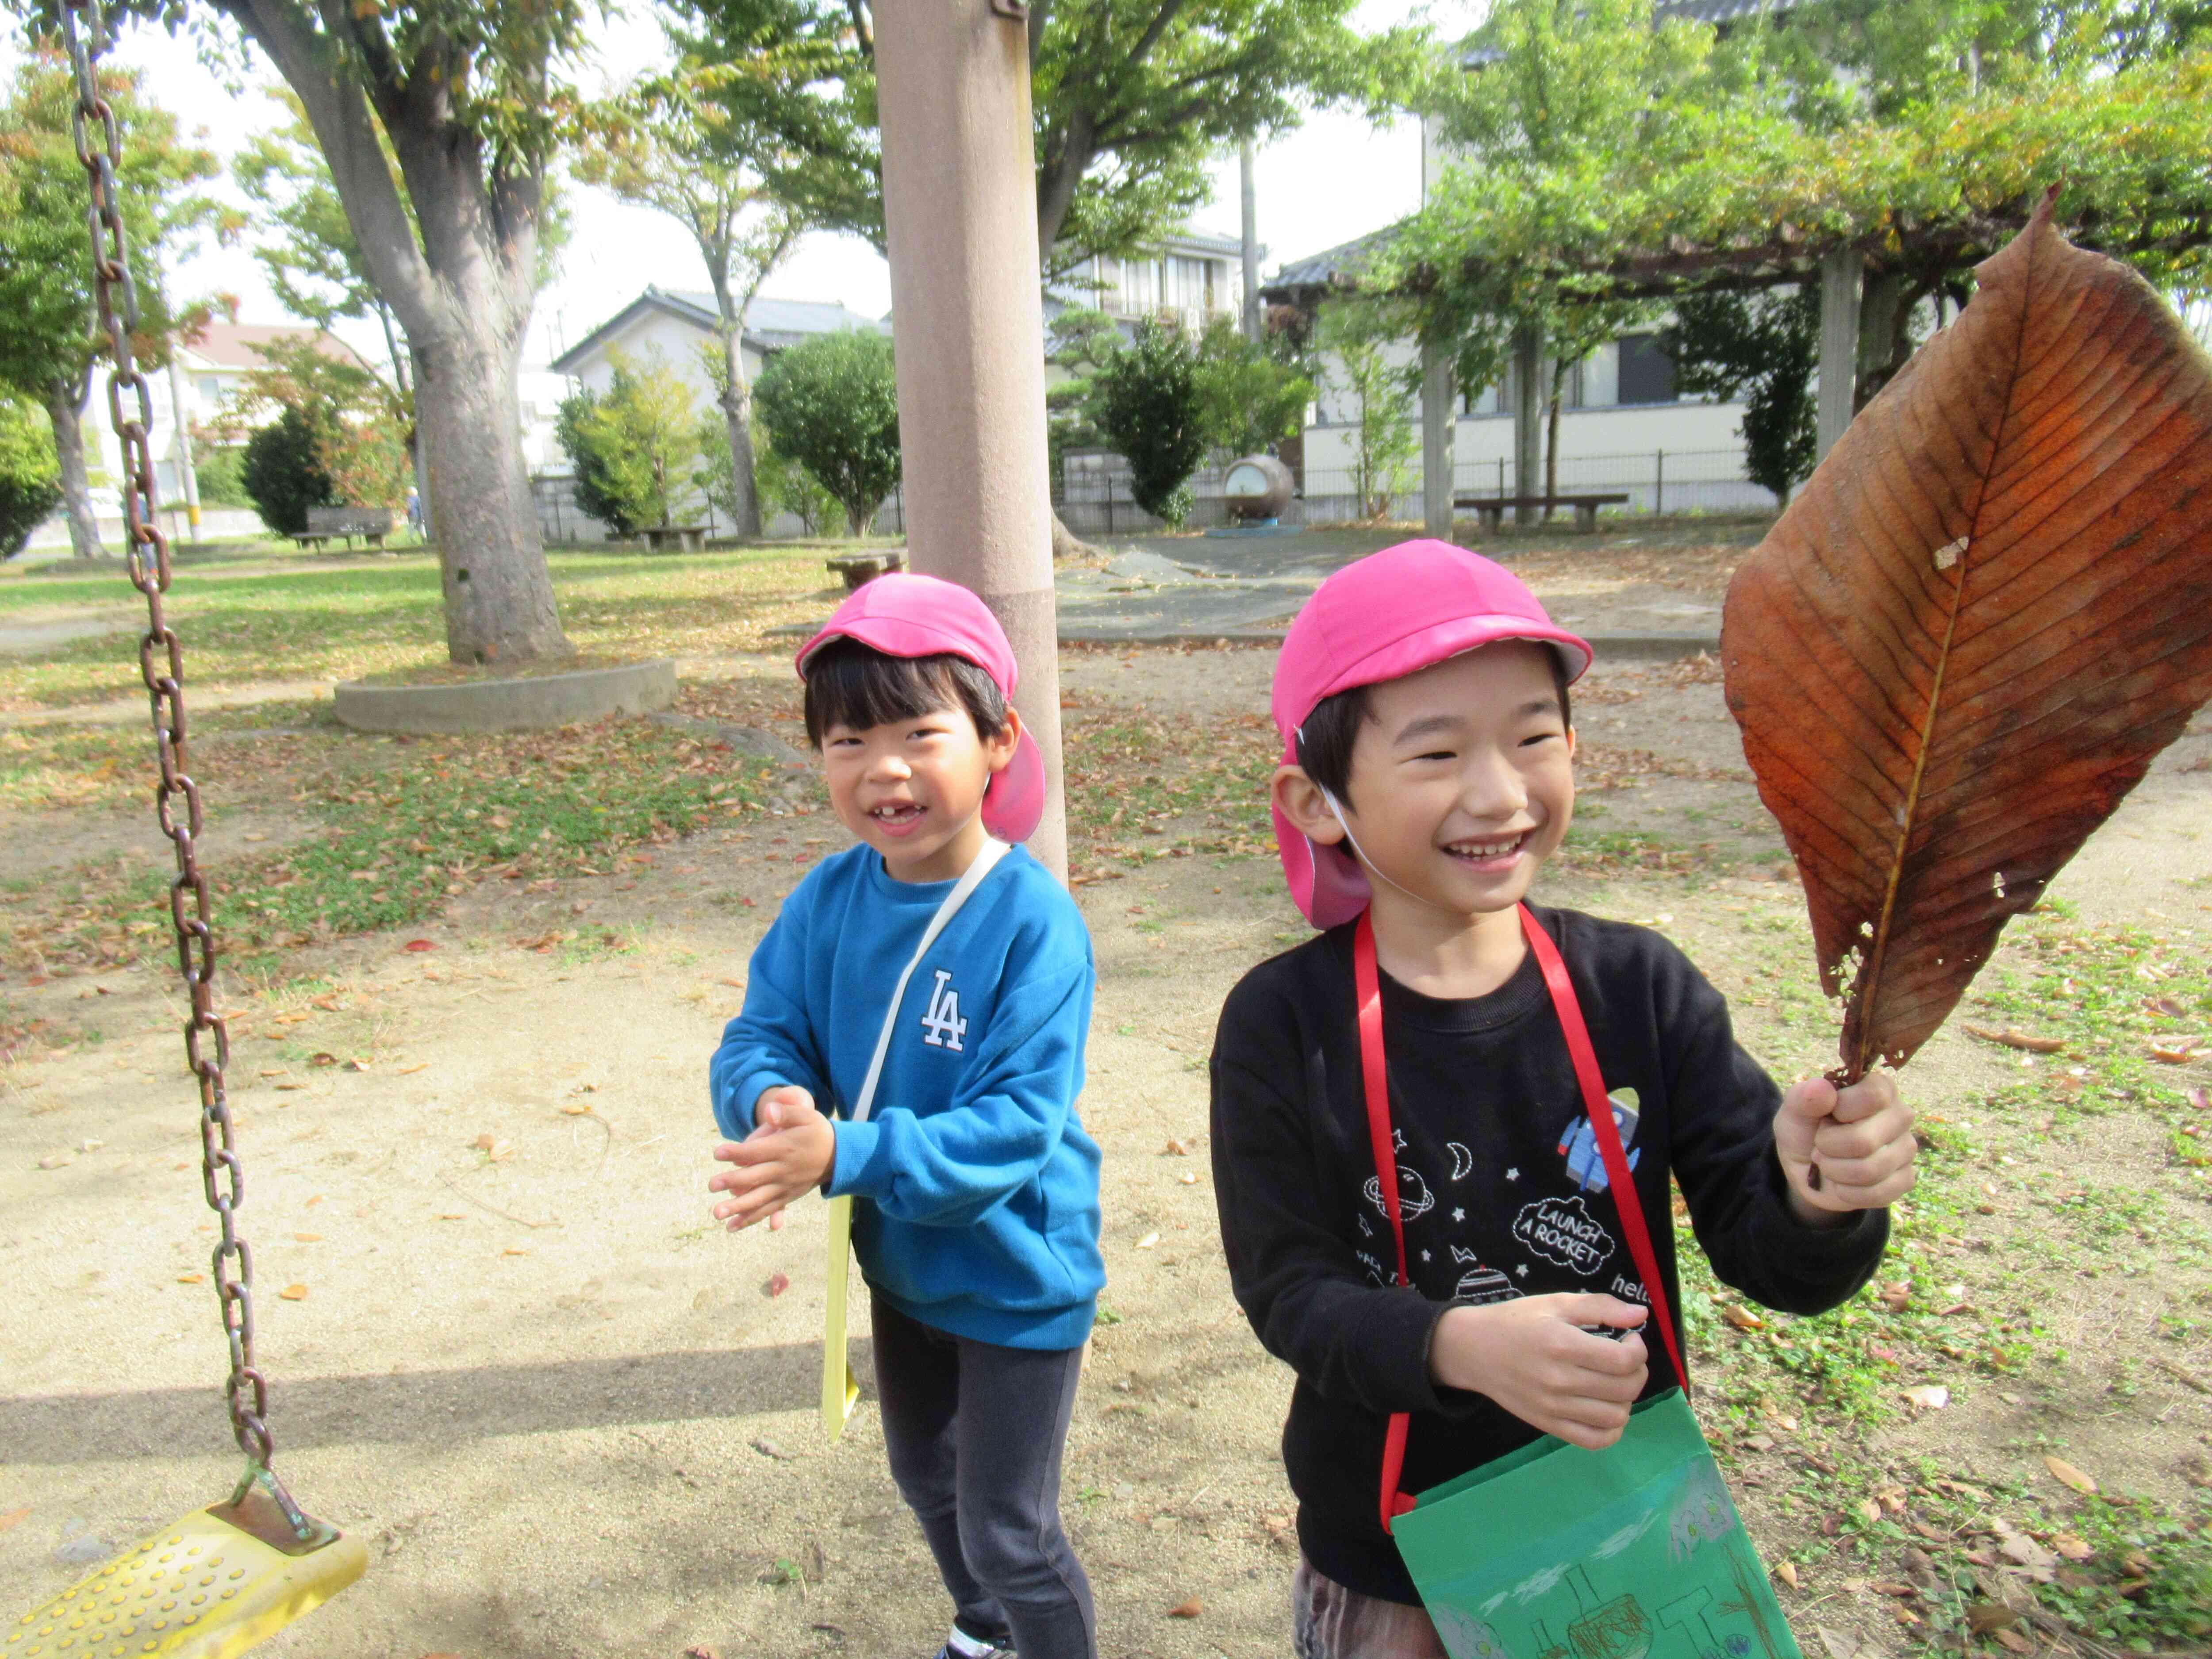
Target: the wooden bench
pixel 859 569
pixel 683 538
pixel 1493 508
pixel 329 524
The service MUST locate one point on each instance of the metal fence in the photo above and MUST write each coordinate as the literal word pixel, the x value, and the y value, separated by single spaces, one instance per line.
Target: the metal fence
pixel 1091 493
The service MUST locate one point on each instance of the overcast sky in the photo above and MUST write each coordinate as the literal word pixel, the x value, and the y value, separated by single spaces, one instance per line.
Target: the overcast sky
pixel 1334 178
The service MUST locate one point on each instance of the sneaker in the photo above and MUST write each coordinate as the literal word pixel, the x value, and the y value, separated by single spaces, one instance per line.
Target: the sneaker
pixel 961 1645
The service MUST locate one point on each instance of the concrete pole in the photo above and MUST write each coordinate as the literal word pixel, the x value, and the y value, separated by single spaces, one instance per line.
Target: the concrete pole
pixel 1839 347
pixel 1251 197
pixel 968 328
pixel 1439 427
pixel 187 480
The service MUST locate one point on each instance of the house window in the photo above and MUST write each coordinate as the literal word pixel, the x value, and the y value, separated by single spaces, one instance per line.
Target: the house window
pixel 211 389
pixel 1647 372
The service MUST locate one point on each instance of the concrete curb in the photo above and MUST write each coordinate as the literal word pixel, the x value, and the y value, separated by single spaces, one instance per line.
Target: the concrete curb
pixel 519 705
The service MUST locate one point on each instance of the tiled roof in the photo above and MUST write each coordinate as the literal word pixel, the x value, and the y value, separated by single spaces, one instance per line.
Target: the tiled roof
pixel 1322 269
pixel 238 345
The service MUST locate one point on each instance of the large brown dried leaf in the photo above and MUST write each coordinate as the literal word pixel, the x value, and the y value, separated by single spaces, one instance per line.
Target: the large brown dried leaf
pixel 1981 619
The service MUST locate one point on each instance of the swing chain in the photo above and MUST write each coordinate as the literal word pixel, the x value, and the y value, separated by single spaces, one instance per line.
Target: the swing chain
pixel 161 665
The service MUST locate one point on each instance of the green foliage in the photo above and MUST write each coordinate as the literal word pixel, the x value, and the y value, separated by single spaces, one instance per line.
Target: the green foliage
pixel 832 404
pixel 283 472
pixel 361 425
pixel 1693 152
pixel 1144 401
pixel 219 469
pixel 45 259
pixel 1079 342
pixel 1130 99
pixel 787 487
pixel 1764 348
pixel 1247 400
pixel 30 487
pixel 1356 339
pixel 595 494
pixel 644 439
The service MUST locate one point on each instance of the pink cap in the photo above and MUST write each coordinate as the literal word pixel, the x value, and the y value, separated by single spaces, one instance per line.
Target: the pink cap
pixel 1386 615
pixel 904 615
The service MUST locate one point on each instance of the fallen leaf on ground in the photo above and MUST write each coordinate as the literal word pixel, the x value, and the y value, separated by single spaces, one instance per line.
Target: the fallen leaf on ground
pixel 2067 1476
pixel 1787 1572
pixel 420 944
pixel 356 1064
pixel 1869 1511
pixel 1175 1149
pixel 2014 1642
pixel 1898 1297
pixel 769 1448
pixel 191 1279
pixel 294 1293
pixel 2020 1547
pixel 576 1108
pixel 2073 1548
pixel 1743 1318
pixel 322 1059
pixel 1840 1646
pixel 1928 1397
pixel 1189 1609
pixel 515 1249
pixel 2013 1037
pixel 1987 1617
pixel 1148 1241
pixel 2180 1055
pixel 308 1238
pixel 777 1286
pixel 12 1518
pixel 55 1161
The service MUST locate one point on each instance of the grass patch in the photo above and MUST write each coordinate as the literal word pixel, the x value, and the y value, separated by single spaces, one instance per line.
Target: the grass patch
pixel 397 840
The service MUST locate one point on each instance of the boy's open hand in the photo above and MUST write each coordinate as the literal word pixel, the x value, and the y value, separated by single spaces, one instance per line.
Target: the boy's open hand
pixel 1859 1138
pixel 1532 1358
pixel 788 1153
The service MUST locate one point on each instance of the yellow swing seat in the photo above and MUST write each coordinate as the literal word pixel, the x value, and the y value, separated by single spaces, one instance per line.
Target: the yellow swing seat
pixel 201 1588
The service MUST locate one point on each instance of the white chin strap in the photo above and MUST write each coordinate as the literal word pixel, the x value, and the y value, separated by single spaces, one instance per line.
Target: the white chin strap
pixel 1359 851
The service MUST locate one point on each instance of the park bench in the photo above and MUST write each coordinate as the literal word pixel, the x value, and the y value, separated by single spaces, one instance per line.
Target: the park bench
pixel 329 524
pixel 683 538
pixel 1493 508
pixel 859 569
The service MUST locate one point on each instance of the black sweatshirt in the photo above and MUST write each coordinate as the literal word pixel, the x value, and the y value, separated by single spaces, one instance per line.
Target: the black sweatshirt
pixel 1500 1185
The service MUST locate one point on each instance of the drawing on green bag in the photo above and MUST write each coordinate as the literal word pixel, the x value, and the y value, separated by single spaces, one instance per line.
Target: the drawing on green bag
pixel 1704 1513
pixel 1466 1637
pixel 1606 1630
pixel 1752 1600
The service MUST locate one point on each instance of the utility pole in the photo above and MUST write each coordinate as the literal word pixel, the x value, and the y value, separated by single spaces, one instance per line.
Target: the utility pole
pixel 188 482
pixel 1840 274
pixel 960 222
pixel 1252 319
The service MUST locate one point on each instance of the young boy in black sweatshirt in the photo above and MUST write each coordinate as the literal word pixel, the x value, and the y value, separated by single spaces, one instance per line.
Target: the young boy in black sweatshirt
pixel 1422 696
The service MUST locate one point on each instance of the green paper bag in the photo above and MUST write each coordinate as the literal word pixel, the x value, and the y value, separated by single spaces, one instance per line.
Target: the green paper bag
pixel 1555 1552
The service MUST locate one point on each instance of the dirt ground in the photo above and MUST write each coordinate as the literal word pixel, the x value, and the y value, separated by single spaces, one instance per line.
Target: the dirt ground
pixel 562 1408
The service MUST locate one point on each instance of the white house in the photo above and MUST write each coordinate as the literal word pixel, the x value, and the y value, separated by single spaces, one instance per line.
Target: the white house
pixel 679 326
pixel 1193 275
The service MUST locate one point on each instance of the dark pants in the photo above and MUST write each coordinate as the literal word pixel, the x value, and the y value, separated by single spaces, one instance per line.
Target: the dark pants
pixel 974 1434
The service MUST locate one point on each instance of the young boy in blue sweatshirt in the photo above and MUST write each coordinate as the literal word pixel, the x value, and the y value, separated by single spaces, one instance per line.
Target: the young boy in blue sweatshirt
pixel 977 1224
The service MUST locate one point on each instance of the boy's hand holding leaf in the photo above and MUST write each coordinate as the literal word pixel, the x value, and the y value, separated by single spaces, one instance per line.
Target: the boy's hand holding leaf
pixel 789 1153
pixel 1858 1139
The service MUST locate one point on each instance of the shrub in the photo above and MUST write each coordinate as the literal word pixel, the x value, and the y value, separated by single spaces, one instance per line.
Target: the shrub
pixel 30 477
pixel 832 404
pixel 283 472
pixel 595 497
pixel 645 441
pixel 220 474
pixel 1144 401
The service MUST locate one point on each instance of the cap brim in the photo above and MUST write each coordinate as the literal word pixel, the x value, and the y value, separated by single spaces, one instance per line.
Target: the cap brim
pixel 1014 803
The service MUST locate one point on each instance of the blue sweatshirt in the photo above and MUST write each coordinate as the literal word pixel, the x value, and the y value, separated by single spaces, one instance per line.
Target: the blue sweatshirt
pixel 979 1187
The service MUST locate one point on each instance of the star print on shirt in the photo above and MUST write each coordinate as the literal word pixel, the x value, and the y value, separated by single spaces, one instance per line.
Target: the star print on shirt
pixel 1459 1215
pixel 1523 1270
pixel 1425 1256
pixel 1513 1175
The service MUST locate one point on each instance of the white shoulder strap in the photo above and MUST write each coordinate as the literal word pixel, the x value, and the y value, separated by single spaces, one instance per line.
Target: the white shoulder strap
pixel 970 879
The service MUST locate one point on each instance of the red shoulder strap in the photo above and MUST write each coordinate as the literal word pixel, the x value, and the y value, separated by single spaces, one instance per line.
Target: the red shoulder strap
pixel 1375 1078
pixel 1619 1178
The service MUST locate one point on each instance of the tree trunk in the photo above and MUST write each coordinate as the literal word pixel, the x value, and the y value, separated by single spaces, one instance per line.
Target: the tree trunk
pixel 736 414
pixel 461 279
pixel 499 594
pixel 65 407
pixel 1528 413
pixel 1552 444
